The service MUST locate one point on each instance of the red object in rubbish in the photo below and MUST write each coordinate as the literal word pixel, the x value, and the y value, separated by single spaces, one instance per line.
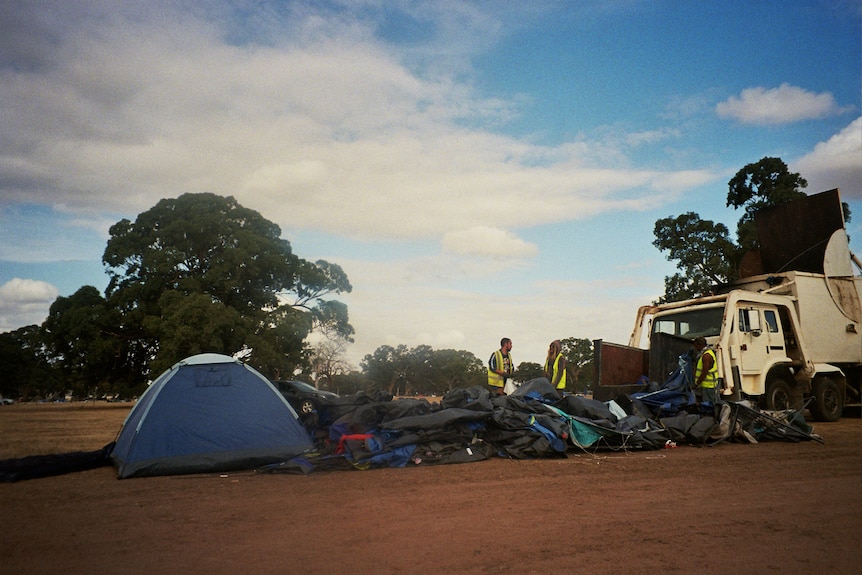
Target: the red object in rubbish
pixel 669 444
pixel 358 436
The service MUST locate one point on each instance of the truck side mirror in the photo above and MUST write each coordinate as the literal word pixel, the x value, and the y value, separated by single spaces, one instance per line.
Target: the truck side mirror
pixel 753 317
pixel 749 321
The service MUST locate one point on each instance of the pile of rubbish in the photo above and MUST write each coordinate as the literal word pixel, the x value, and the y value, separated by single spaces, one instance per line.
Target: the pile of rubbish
pixel 371 430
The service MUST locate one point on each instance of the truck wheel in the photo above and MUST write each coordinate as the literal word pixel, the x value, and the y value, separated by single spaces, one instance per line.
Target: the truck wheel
pixel 778 395
pixel 828 400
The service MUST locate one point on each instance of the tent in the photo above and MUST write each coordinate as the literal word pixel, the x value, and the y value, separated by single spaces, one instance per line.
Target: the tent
pixel 208 413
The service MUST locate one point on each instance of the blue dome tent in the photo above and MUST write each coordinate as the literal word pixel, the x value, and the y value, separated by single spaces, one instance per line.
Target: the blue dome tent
pixel 208 413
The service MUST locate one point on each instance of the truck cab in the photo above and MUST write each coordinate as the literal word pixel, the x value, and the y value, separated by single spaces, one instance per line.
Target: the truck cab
pixel 755 340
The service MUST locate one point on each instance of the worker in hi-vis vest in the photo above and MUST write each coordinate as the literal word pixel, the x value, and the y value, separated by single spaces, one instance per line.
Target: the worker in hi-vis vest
pixel 555 366
pixel 500 366
pixel 705 372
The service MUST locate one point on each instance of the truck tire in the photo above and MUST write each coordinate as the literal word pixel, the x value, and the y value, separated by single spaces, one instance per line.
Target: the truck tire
pixel 779 395
pixel 828 400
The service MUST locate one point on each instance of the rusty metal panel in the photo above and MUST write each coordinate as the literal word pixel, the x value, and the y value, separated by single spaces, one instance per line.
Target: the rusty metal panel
pixel 794 236
pixel 619 369
pixel 664 353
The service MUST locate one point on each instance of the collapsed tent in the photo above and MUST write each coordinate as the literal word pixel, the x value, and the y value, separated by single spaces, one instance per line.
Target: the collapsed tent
pixel 207 413
pixel 36 466
pixel 534 421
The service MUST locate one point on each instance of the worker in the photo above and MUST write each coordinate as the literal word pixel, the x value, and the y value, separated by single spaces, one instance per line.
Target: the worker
pixel 555 366
pixel 500 367
pixel 705 372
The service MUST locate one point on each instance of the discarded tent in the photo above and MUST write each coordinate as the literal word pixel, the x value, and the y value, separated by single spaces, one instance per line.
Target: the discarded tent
pixel 36 466
pixel 208 413
pixel 534 421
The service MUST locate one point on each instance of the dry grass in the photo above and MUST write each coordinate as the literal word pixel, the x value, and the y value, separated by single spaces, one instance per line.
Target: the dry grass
pixel 45 428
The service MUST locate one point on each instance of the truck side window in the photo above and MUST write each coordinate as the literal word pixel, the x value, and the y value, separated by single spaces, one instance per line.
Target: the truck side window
pixel 771 320
pixel 743 321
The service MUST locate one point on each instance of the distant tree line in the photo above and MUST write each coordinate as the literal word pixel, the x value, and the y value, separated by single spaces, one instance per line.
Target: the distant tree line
pixel 423 370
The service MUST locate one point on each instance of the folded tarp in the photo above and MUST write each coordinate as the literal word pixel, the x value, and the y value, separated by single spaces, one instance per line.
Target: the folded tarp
pixel 438 419
pixel 36 466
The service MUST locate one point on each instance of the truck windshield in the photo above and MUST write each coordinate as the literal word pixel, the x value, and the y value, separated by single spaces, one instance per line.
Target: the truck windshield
pixel 690 324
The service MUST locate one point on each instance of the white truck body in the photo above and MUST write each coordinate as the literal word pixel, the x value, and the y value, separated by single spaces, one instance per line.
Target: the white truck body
pixel 778 337
pixel 782 337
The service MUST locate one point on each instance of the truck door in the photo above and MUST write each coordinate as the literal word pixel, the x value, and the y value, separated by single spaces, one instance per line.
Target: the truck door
pixel 760 338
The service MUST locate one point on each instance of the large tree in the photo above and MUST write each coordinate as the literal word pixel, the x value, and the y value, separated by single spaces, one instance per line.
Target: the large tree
pixel 387 367
pixel 704 253
pixel 80 337
pixel 454 369
pixel 202 273
pixel 765 183
pixel 528 370
pixel 703 250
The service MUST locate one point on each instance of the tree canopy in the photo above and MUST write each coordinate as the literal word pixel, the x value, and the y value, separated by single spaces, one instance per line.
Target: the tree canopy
pixel 756 186
pixel 202 273
pixel 194 274
pixel 705 254
pixel 79 335
pixel 402 371
pixel 703 250
pixel 28 371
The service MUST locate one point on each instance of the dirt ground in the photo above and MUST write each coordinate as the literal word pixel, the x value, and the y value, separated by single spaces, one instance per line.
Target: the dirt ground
pixel 782 508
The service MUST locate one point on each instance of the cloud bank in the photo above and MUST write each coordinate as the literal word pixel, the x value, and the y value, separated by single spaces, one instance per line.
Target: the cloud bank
pixel 310 120
pixel 24 302
pixel 781 105
pixel 837 162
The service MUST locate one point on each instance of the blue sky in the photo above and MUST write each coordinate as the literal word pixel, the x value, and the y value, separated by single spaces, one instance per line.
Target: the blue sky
pixel 479 169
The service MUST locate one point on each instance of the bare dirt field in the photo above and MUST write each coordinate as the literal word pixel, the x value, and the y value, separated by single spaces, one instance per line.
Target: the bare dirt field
pixel 782 508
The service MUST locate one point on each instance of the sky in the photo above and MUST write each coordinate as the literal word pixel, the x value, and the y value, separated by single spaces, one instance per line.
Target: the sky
pixel 479 169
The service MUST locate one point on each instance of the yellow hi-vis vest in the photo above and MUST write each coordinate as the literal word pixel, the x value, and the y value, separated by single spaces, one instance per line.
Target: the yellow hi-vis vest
pixel 495 379
pixel 711 378
pixel 556 367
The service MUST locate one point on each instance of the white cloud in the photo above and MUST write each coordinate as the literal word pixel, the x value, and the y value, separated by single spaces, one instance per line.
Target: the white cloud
pixel 320 127
pixel 488 241
pixel 25 302
pixel 781 105
pixel 684 107
pixel 835 163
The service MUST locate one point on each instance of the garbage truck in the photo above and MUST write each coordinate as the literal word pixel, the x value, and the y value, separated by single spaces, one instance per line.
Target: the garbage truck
pixel 787 335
